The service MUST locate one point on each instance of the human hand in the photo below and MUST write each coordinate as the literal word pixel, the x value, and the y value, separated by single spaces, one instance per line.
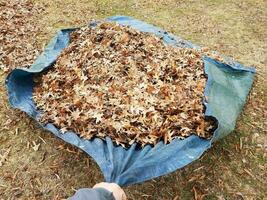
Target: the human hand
pixel 116 190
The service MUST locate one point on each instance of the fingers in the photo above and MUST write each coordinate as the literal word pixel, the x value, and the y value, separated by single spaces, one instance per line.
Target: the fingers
pixel 117 191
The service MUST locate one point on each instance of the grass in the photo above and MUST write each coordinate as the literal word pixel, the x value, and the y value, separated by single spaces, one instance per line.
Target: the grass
pixel 235 168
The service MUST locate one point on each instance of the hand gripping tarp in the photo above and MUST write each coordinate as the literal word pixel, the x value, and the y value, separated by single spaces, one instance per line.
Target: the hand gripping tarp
pixel 227 88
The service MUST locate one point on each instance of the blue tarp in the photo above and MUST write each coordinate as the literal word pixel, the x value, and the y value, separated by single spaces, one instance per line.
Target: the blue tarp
pixel 227 88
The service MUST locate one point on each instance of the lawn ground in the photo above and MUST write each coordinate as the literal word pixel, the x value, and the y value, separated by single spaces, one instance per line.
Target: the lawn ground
pixel 36 165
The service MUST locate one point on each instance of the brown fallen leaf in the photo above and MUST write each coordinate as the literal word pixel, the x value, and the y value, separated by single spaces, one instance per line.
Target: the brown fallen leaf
pixel 3 157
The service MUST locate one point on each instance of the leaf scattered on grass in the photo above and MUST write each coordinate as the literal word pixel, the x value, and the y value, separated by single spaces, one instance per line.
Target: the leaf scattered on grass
pixel 18 27
pixel 3 157
pixel 36 146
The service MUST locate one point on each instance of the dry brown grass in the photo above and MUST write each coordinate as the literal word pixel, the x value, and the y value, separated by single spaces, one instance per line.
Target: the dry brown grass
pixel 235 168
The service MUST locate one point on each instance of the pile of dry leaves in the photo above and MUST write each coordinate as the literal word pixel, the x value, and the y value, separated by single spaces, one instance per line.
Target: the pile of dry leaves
pixel 17 33
pixel 115 81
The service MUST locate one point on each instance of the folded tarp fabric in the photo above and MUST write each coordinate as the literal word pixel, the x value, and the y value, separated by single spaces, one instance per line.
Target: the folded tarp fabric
pixel 226 90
